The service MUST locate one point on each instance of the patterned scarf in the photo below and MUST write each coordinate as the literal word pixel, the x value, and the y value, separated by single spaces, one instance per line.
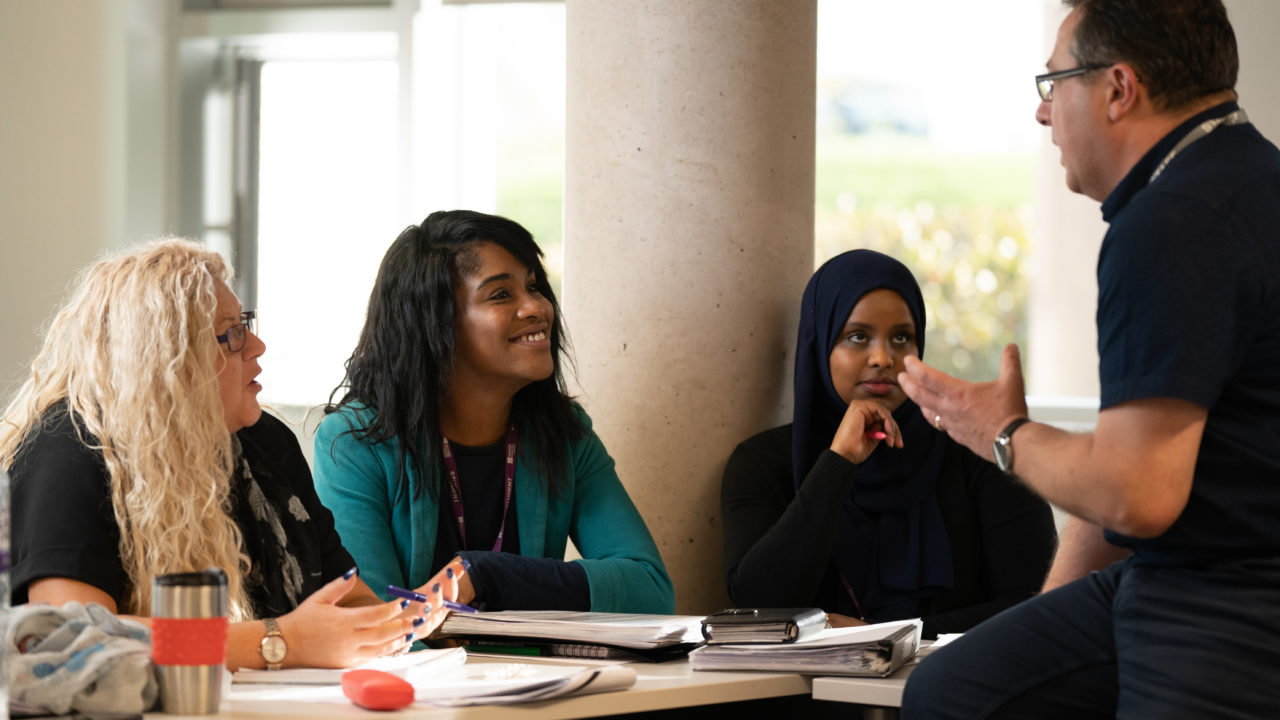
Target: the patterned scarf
pixel 275 526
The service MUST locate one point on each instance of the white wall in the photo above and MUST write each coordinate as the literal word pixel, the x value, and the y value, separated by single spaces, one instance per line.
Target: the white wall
pixel 1256 23
pixel 84 150
pixel 62 150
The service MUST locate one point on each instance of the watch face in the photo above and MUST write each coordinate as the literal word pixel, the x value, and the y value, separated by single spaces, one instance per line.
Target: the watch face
pixel 1000 448
pixel 273 649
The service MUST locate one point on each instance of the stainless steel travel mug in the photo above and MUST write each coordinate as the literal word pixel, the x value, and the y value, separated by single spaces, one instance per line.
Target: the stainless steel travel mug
pixel 189 640
pixel 4 582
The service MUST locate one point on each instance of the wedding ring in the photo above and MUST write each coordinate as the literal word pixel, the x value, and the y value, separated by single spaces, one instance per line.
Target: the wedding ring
pixel 937 422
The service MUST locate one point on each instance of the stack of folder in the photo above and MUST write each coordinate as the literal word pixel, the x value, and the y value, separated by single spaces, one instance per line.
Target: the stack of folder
pixel 870 650
pixel 786 640
pixel 620 636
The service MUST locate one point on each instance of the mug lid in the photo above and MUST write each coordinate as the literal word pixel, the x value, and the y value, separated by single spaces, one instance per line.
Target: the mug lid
pixel 211 576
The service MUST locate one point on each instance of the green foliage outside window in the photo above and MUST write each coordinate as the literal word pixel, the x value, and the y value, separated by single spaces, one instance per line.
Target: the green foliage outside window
pixel 960 222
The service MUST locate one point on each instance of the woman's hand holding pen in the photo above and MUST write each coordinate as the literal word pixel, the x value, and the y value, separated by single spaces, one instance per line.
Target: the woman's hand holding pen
pixel 865 425
pixel 322 633
pixel 451 585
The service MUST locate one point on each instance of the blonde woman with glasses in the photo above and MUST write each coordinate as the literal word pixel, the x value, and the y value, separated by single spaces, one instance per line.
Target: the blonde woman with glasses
pixel 137 448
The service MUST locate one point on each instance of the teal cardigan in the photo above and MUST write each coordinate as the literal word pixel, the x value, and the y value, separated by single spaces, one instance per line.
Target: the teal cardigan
pixel 394 542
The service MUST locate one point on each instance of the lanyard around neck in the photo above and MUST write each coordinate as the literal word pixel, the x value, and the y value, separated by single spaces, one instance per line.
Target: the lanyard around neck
pixel 854 596
pixel 1237 117
pixel 455 487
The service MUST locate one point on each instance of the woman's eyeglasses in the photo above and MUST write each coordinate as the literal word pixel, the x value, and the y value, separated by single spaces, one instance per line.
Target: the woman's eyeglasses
pixel 236 335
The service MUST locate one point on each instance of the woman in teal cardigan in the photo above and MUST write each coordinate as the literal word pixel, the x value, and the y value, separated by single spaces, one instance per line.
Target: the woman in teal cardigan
pixel 455 463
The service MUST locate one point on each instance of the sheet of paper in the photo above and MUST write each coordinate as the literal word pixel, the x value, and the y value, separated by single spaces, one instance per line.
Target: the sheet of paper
pixel 945 638
pixel 411 666
pixel 509 683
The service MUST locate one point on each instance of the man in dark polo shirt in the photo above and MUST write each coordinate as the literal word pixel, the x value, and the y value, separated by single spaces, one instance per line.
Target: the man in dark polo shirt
pixel 1164 600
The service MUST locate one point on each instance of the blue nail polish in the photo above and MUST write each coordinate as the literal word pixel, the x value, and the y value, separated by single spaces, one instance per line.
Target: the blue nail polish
pixel 448 572
pixel 418 621
pixel 408 638
pixel 427 609
pixel 353 571
pixel 404 604
pixel 466 564
pixel 436 589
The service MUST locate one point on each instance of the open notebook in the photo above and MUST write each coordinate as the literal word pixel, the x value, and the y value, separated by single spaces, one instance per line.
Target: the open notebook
pixel 509 683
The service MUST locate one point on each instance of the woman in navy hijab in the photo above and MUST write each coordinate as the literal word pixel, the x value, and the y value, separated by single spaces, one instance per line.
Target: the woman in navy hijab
pixel 860 506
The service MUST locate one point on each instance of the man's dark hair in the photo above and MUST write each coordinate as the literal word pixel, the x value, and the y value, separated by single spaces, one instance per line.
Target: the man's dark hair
pixel 1182 50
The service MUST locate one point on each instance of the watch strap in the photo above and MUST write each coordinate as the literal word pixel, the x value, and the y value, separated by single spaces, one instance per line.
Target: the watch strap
pixel 1009 429
pixel 273 631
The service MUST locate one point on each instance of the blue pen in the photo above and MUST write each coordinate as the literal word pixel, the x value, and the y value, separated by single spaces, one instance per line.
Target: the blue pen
pixel 459 607
pixel 406 594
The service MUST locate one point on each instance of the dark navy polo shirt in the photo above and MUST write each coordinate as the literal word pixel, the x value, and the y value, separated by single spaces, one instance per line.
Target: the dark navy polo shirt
pixel 1189 308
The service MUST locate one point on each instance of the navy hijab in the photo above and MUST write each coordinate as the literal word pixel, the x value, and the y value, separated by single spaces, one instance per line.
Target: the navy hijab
pixel 892 551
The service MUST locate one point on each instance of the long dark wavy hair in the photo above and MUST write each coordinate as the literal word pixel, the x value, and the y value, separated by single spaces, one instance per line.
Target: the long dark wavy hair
pixel 401 365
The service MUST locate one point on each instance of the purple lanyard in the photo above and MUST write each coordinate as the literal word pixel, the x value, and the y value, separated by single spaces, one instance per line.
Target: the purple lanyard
pixel 455 488
pixel 849 589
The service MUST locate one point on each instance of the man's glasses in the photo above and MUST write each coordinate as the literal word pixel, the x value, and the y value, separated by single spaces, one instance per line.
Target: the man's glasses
pixel 236 335
pixel 1044 83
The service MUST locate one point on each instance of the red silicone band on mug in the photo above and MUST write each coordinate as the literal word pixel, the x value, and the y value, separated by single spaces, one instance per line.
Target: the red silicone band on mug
pixel 189 641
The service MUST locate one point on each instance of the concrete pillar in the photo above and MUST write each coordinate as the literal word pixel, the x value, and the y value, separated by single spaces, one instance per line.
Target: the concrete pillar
pixel 688 239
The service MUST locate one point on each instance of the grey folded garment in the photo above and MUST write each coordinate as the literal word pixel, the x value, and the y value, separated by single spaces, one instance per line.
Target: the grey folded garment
pixel 77 657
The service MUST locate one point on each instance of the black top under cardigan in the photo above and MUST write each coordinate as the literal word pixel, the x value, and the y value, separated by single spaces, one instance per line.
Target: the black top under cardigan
pixel 778 545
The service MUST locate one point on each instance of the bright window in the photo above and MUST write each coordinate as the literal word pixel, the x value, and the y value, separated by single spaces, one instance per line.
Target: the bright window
pixel 326 214
pixel 489 114
pixel 927 151
pixel 485 133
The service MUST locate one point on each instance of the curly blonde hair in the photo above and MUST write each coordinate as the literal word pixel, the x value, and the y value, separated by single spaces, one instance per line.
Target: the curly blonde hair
pixel 133 354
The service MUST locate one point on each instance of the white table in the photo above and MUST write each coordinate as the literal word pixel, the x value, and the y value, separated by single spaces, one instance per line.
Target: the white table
pixel 659 686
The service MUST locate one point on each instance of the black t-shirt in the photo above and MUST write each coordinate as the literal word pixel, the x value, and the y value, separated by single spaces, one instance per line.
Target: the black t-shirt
pixel 480 472
pixel 63 523
pixel 502 580
pixel 1189 308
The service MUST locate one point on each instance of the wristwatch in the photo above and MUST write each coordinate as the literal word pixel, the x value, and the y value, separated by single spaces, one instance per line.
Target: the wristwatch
pixel 1002 447
pixel 273 647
